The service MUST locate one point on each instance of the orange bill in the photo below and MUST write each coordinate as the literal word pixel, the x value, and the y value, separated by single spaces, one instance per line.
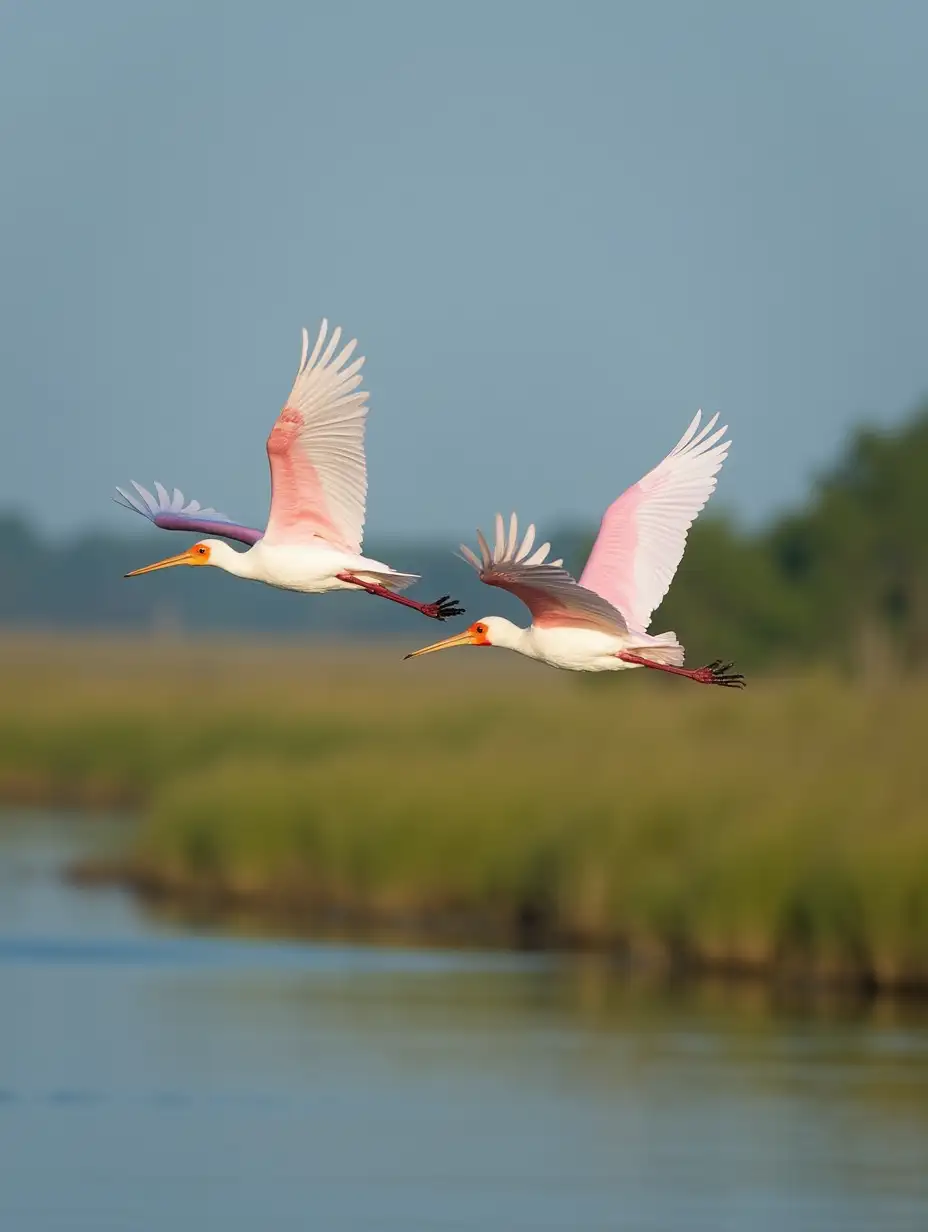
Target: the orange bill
pixel 190 557
pixel 468 638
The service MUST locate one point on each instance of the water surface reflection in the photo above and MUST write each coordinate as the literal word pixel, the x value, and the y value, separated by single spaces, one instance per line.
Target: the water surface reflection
pixel 156 1079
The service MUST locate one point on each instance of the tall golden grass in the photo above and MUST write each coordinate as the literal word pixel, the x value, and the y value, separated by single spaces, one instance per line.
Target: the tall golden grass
pixel 780 829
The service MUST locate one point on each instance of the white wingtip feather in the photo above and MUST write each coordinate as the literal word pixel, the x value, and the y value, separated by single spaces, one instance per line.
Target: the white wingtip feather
pixel 513 535
pixel 320 338
pixel 539 556
pixel 527 543
pixel 499 548
pixel 129 502
pixel 146 497
pixel 470 556
pixel 688 434
pixel 484 549
pixel 330 348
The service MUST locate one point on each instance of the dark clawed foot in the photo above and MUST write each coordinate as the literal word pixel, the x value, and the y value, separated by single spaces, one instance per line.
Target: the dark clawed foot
pixel 718 672
pixel 442 608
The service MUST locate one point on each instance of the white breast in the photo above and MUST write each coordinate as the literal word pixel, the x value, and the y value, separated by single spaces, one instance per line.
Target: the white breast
pixel 578 650
pixel 297 566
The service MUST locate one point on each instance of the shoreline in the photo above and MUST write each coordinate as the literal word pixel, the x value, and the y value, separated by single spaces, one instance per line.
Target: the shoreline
pixel 303 915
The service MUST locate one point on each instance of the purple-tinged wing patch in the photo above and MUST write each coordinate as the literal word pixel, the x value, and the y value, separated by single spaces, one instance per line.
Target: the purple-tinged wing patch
pixel 171 513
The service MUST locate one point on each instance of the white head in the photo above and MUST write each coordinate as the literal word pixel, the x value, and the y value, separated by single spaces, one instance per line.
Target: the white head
pixel 490 631
pixel 206 552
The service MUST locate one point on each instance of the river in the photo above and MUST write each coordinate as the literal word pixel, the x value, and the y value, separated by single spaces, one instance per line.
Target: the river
pixel 158 1078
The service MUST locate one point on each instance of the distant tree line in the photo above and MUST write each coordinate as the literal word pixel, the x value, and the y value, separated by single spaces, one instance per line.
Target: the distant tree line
pixel 842 579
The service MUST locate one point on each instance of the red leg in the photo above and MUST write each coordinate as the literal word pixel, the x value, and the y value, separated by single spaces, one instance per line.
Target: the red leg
pixel 441 609
pixel 712 673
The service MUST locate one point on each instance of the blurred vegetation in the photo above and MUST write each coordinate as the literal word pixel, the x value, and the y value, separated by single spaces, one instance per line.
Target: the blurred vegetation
pixel 782 829
pixel 844 580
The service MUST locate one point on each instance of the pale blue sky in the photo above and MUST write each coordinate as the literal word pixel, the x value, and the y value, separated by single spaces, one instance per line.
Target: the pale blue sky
pixel 556 229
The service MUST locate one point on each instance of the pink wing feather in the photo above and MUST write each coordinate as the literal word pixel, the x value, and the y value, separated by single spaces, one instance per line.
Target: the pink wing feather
pixel 643 533
pixel 545 587
pixel 316 450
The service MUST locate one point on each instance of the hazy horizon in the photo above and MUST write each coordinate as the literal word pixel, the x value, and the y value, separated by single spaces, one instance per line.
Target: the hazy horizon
pixel 555 236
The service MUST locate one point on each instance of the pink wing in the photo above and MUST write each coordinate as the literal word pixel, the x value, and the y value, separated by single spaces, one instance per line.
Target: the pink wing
pixel 316 451
pixel 643 533
pixel 548 591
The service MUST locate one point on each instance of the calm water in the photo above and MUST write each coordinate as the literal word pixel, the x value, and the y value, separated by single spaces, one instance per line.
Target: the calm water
pixel 151 1079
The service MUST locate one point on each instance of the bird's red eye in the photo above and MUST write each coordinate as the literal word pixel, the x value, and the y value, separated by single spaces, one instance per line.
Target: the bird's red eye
pixel 481 628
pixel 202 551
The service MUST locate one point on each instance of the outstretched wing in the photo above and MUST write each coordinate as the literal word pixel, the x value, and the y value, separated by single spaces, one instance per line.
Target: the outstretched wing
pixel 545 587
pixel 170 513
pixel 316 450
pixel 643 533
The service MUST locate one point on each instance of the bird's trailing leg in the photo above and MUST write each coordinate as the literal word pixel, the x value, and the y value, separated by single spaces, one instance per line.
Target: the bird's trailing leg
pixel 716 672
pixel 441 609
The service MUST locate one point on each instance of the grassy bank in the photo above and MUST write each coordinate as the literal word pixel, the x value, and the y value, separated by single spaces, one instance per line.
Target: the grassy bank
pixel 784 829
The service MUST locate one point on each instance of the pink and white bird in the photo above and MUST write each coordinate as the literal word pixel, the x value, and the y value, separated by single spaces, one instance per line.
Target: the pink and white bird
pixel 599 624
pixel 312 542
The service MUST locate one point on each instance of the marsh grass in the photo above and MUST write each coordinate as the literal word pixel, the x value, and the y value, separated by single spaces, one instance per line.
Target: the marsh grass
pixel 781 829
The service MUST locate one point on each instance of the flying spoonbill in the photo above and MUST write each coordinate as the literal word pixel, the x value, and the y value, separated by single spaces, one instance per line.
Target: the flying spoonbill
pixel 599 624
pixel 312 542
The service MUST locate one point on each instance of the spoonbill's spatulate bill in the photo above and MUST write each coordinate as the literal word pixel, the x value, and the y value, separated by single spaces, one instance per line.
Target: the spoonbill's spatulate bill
pixel 312 542
pixel 599 624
